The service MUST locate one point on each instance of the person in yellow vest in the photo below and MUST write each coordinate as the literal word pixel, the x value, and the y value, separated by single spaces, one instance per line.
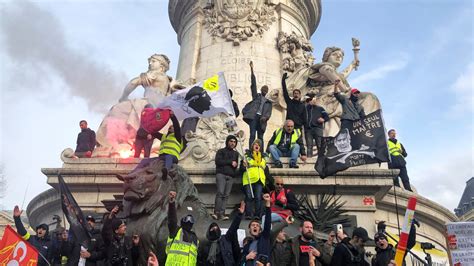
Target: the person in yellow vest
pixel 397 156
pixel 182 244
pixel 170 148
pixel 287 142
pixel 253 180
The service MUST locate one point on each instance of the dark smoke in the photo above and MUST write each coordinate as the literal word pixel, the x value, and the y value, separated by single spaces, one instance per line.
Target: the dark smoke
pixel 34 41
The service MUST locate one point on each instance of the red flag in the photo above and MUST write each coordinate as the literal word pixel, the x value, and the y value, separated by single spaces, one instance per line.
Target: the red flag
pixel 14 249
pixel 154 119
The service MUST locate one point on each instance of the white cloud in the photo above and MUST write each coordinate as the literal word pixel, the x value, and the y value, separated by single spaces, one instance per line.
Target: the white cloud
pixel 381 71
pixel 463 89
pixel 436 175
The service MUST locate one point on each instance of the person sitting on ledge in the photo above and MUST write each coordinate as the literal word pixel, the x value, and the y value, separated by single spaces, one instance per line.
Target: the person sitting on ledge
pixel 287 142
pixel 283 201
pixel 85 141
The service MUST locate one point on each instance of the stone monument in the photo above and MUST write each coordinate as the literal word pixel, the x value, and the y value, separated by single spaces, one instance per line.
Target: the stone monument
pixel 225 35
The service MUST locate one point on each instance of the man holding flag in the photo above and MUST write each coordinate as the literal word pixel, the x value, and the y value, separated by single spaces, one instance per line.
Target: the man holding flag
pixel 40 241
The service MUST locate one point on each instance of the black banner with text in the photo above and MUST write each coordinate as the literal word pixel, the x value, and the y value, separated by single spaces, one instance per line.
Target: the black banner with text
pixel 363 142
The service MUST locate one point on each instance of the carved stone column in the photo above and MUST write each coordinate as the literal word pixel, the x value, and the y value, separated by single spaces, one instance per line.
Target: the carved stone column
pixel 225 35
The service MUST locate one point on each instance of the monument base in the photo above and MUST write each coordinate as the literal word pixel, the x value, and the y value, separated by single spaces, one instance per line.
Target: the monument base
pixel 367 191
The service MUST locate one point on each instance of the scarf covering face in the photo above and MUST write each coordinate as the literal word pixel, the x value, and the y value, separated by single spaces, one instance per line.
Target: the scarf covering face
pixel 214 249
pixel 257 156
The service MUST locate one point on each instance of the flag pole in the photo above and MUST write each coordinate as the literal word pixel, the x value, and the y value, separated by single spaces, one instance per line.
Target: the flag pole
pixel 238 136
pixel 393 179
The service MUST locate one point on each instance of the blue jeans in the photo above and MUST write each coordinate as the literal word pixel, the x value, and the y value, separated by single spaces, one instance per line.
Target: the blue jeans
pixel 275 218
pixel 256 129
pixel 256 200
pixel 293 153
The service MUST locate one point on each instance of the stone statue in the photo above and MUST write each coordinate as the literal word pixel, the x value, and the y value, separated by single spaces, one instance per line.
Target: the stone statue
pixel 155 81
pixel 145 205
pixel 116 133
pixel 296 50
pixel 319 79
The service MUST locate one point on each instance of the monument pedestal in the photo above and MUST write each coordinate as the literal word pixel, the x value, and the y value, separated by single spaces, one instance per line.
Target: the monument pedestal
pixel 367 191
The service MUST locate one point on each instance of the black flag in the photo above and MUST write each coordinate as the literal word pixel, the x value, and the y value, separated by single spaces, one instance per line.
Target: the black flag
pixel 77 223
pixel 363 142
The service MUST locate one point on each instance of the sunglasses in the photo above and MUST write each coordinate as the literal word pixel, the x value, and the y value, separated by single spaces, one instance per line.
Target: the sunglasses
pixel 279 184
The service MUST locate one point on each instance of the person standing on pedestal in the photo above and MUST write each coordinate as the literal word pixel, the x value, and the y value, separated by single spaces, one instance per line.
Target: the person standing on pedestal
pixel 253 180
pixel 85 141
pixel 397 156
pixel 295 109
pixel 351 109
pixel 316 117
pixel 257 112
pixel 226 169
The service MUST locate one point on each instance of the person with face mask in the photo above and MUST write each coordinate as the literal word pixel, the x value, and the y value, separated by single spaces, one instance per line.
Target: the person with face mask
pixel 182 244
pixel 257 112
pixel 351 108
pixel 41 241
pixel 222 249
pixel 350 251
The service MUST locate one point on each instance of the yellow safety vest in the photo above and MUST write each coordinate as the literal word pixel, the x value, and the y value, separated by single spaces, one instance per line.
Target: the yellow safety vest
pixel 294 137
pixel 395 149
pixel 170 145
pixel 180 253
pixel 255 171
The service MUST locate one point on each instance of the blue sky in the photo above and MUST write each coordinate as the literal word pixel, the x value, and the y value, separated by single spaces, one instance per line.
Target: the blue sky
pixel 63 61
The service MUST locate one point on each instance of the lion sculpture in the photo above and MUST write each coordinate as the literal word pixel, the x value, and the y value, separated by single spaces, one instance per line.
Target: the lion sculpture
pixel 145 205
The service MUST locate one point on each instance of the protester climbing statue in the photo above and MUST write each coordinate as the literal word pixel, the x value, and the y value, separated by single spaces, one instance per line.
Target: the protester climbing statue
pixel 117 131
pixel 320 78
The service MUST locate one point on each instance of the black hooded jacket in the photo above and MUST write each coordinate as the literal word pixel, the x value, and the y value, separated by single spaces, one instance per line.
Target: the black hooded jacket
pixel 228 249
pixel 44 245
pixel 225 157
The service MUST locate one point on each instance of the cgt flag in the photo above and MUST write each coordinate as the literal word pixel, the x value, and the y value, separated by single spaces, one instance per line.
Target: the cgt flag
pixel 363 142
pixel 77 223
pixel 204 99
pixel 14 250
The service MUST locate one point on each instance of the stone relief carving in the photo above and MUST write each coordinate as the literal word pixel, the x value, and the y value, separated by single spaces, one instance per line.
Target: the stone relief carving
pixel 297 51
pixel 209 136
pixel 238 20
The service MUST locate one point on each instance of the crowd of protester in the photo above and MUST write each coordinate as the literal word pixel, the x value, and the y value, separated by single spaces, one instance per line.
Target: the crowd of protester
pixel 268 204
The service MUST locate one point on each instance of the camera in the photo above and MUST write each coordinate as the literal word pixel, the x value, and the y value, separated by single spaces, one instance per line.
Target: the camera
pixel 427 245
